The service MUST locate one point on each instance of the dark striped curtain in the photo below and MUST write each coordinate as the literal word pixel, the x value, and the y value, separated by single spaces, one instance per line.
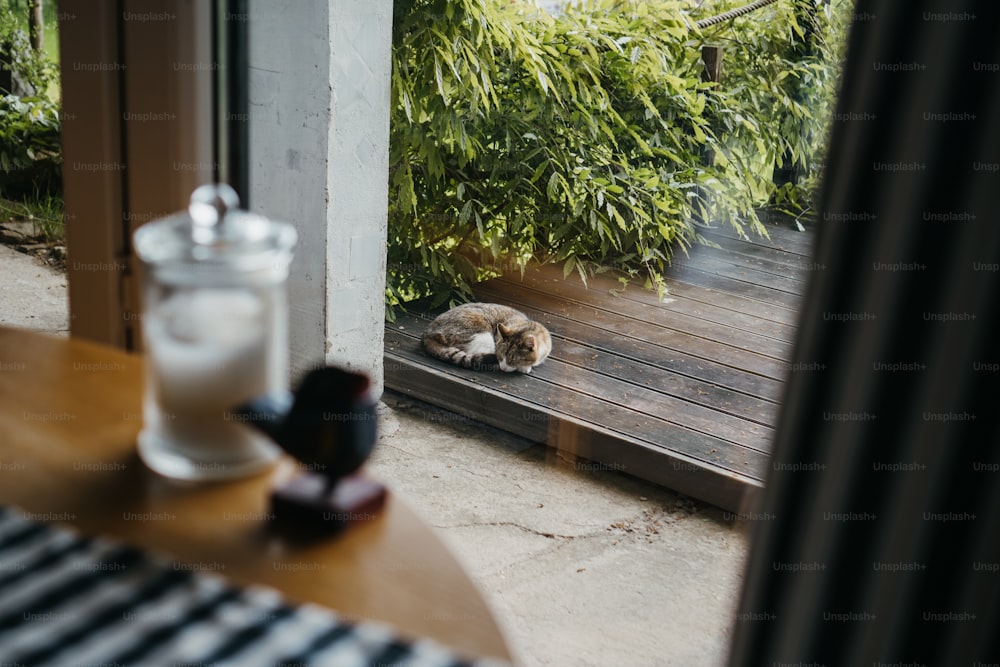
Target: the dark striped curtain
pixel 878 542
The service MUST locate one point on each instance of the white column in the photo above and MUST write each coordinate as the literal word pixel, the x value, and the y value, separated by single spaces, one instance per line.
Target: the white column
pixel 319 137
pixel 358 181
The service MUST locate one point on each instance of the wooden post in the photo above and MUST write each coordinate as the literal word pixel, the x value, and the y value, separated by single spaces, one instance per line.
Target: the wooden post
pixel 136 139
pixel 711 55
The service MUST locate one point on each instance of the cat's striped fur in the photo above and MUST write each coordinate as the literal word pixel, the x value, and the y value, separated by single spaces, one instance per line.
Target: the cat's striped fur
pixel 487 335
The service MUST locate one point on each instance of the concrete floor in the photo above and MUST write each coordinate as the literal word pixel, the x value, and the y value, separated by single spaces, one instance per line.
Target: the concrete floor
pixel 582 566
pixel 32 294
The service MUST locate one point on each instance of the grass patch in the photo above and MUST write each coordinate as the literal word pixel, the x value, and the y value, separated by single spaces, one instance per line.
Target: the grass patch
pixel 44 212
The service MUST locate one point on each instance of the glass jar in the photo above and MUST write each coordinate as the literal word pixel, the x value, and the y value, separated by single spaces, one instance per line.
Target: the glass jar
pixel 215 329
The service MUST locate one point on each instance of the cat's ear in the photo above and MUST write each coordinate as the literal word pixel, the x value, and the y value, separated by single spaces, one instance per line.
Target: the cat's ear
pixel 504 330
pixel 530 343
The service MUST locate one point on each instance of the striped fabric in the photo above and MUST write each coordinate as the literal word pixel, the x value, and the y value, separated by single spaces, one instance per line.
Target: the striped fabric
pixel 73 601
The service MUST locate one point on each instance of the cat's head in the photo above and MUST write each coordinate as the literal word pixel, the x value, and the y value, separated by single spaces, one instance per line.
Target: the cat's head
pixel 518 347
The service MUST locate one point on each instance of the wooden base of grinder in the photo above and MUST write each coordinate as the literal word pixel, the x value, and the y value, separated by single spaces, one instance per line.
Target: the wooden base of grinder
pixel 305 507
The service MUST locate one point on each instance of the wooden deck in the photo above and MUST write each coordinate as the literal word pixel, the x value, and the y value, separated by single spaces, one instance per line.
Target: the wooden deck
pixel 683 393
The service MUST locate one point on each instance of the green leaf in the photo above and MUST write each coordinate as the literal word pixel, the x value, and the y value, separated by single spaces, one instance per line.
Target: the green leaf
pixel 543 81
pixel 568 266
pixel 407 107
pixel 539 170
pixel 582 273
pixel 439 79
pixel 552 189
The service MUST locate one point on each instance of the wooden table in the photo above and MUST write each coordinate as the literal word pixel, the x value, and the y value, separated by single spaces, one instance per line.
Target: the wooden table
pixel 70 411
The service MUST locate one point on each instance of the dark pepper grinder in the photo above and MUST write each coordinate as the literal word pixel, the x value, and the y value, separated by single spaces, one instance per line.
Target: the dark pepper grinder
pixel 328 425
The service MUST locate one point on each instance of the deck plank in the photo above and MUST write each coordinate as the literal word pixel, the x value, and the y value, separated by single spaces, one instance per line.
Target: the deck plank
pixel 783 318
pixel 700 465
pixel 781 236
pixel 599 292
pixel 575 316
pixel 631 395
pixel 771 272
pixel 676 312
pixel 758 284
pixel 615 365
pixel 683 391
pixel 772 255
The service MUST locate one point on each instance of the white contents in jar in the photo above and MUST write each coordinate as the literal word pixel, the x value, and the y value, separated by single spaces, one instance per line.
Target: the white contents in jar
pixel 209 351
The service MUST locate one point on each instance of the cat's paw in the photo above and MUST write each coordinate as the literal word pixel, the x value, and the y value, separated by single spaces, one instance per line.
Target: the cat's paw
pixel 525 369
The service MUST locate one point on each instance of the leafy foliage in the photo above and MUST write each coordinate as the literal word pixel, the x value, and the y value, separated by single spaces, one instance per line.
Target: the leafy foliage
pixel 34 69
pixel 777 93
pixel 30 152
pixel 30 157
pixel 583 137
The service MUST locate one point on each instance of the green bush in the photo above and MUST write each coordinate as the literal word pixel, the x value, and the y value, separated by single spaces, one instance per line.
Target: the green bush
pixel 36 70
pixel 776 97
pixel 30 152
pixel 580 138
pixel 30 157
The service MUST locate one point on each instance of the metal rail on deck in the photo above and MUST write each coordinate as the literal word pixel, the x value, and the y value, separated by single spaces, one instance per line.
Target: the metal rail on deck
pixel 733 13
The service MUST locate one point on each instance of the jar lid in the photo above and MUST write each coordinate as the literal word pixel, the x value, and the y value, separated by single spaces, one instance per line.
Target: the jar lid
pixel 214 234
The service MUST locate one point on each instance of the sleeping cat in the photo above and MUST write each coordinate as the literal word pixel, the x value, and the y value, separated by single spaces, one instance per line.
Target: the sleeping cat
pixel 486 334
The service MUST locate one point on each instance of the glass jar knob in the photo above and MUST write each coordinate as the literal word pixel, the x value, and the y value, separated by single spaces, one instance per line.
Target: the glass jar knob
pixel 208 207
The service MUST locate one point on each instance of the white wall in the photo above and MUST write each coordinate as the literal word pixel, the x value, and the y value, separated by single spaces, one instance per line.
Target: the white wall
pixel 319 132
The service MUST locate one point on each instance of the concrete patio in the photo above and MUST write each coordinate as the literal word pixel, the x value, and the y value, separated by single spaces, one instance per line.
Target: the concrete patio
pixel 582 565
